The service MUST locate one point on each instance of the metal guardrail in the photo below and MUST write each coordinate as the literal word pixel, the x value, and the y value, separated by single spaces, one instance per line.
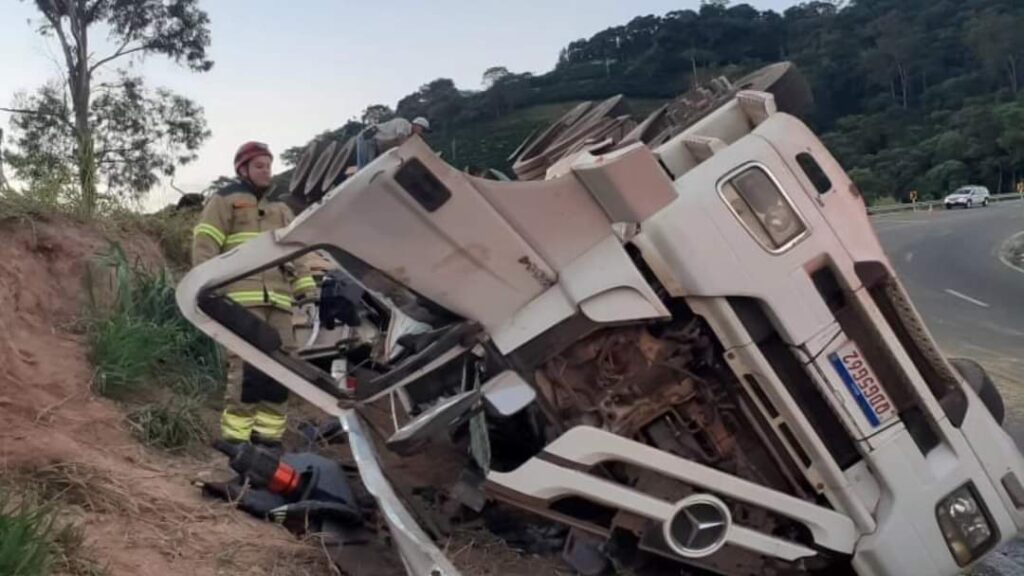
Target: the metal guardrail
pixel 932 204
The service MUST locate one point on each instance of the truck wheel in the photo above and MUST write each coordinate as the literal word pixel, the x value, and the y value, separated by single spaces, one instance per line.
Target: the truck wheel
pixel 982 385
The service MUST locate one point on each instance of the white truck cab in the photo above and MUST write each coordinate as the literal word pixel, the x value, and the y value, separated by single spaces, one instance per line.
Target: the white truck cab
pixel 701 348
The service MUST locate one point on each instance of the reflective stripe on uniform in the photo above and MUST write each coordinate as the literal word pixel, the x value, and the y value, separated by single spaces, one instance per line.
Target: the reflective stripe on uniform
pixel 236 427
pixel 304 283
pixel 269 425
pixel 211 231
pixel 240 238
pixel 257 297
pixel 281 300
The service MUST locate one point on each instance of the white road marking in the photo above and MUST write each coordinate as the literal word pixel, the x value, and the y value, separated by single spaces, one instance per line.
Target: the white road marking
pixel 909 257
pixel 967 298
pixel 1004 253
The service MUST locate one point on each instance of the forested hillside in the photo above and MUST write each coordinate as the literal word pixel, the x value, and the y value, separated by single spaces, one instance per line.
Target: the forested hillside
pixel 911 94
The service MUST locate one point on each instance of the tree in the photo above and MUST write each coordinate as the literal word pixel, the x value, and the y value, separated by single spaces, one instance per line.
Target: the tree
pixel 493 75
pixel 3 180
pixel 377 113
pixel 116 130
pixel 505 89
pixel 896 47
pixel 218 183
pixel 438 100
pixel 997 42
pixel 290 157
pixel 945 178
pixel 1011 139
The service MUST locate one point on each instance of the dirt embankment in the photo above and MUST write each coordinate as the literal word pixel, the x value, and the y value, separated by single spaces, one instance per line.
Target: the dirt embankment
pixel 137 507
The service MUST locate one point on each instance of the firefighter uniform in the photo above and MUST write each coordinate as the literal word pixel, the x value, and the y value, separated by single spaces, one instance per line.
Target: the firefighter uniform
pixel 254 404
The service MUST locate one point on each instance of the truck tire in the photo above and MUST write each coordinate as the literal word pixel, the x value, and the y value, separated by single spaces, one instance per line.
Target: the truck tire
pixel 982 385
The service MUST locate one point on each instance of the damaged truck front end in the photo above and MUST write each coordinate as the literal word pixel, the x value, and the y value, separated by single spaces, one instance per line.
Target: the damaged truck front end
pixel 697 353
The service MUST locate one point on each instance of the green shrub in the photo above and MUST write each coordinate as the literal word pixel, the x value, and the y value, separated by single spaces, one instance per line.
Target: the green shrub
pixel 171 228
pixel 125 350
pixel 34 540
pixel 142 341
pixel 174 424
pixel 26 548
pixel 145 351
pixel 30 205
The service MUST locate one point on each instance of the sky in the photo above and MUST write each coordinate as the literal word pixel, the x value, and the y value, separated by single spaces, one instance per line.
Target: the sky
pixel 287 70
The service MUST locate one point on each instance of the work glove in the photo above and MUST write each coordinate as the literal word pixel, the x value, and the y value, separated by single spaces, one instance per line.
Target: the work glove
pixel 309 310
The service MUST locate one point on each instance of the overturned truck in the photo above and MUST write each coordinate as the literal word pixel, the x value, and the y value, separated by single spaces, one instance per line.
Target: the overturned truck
pixel 693 350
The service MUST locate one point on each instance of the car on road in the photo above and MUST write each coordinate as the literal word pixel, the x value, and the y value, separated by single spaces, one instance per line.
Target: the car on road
pixel 967 197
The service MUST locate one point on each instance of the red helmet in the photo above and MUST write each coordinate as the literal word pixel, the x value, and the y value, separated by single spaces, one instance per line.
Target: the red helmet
pixel 247 152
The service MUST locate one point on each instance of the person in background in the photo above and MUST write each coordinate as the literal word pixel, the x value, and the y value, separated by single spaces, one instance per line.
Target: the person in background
pixel 379 138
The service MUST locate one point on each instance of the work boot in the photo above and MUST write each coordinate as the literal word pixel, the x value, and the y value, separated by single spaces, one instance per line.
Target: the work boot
pixel 268 444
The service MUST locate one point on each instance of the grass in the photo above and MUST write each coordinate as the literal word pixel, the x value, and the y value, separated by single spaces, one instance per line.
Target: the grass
pixel 172 229
pixel 72 556
pixel 147 355
pixel 20 206
pixel 33 543
pixel 174 424
pixel 26 545
pixel 884 201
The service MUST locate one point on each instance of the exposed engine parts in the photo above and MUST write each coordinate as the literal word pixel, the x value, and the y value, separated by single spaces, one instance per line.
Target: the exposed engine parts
pixel 661 385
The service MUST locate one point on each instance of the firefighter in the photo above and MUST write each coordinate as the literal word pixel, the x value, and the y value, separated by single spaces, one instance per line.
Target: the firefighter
pixel 255 404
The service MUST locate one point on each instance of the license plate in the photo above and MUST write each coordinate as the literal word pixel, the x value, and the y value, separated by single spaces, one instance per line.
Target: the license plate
pixel 862 384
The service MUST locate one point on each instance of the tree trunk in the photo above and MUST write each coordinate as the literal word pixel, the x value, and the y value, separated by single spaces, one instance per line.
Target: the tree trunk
pixel 79 79
pixel 693 62
pixel 86 160
pixel 903 85
pixel 3 180
pixel 1011 65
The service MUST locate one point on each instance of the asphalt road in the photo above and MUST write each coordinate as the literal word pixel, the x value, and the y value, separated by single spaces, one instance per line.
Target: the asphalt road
pixel 973 302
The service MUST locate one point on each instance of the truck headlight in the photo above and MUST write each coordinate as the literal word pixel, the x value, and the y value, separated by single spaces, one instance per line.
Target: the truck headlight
pixel 965 525
pixel 759 203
